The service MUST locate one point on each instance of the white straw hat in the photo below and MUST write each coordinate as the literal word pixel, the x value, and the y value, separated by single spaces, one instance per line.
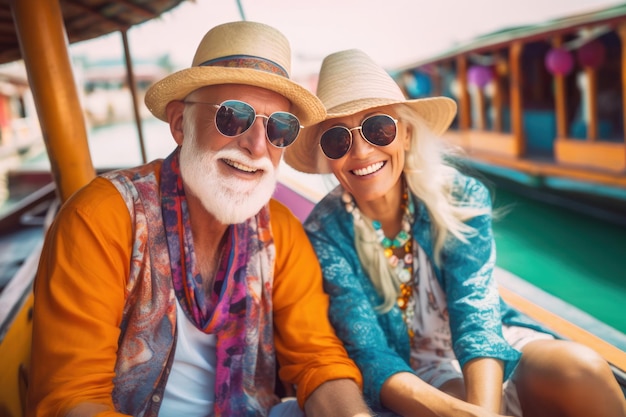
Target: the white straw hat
pixel 242 52
pixel 351 82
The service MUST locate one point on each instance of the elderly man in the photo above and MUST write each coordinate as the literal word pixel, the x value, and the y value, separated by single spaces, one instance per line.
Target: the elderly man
pixel 171 288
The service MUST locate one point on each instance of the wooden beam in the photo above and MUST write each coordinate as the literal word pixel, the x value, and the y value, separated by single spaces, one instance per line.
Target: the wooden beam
pixel 481 119
pixel 496 100
pixel 464 98
pixel 621 30
pixel 591 88
pixel 515 71
pixel 566 329
pixel 560 98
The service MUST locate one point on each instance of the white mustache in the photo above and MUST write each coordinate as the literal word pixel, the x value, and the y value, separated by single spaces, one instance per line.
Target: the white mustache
pixel 238 157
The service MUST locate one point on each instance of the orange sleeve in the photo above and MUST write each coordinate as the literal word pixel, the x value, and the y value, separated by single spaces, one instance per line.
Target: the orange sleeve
pixel 79 298
pixel 308 351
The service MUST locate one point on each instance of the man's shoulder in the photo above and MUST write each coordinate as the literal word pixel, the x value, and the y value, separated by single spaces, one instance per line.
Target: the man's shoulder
pixel 150 171
pixel 278 207
pixel 97 193
pixel 281 216
pixel 98 205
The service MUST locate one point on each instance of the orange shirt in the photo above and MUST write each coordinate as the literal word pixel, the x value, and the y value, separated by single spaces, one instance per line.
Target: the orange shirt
pixel 79 302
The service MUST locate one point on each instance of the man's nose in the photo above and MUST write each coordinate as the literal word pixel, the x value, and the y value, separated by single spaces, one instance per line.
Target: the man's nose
pixel 254 140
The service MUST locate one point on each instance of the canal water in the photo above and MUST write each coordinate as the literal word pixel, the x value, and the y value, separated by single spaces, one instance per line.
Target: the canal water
pixel 573 256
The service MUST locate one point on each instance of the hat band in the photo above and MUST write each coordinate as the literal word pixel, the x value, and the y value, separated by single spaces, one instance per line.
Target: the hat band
pixel 246 61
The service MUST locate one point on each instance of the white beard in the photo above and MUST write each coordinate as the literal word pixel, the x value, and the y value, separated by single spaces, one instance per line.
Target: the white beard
pixel 230 199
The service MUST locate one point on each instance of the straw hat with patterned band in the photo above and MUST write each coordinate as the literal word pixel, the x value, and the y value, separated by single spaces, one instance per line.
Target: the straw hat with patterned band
pixel 243 52
pixel 350 82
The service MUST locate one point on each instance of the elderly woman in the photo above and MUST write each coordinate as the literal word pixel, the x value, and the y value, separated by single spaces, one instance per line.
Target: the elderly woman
pixel 406 246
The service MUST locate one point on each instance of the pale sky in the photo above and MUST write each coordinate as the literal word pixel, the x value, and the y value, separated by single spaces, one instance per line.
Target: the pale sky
pixel 393 32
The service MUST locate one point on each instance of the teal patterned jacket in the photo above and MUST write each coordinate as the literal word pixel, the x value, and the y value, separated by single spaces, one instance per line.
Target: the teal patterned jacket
pixel 379 343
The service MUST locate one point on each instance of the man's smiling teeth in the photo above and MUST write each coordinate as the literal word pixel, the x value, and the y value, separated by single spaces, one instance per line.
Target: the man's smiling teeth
pixel 368 170
pixel 239 166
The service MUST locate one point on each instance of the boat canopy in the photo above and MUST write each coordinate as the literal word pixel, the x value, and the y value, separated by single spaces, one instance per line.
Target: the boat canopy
pixel 527 33
pixel 85 19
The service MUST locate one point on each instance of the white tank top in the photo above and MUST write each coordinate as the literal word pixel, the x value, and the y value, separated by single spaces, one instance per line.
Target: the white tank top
pixel 190 388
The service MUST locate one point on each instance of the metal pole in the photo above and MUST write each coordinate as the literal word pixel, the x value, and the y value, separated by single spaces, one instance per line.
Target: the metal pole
pixel 130 77
pixel 241 12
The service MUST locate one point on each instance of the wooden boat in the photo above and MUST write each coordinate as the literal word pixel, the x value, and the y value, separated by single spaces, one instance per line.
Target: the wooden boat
pixel 541 105
pixel 42 27
pixel 37 31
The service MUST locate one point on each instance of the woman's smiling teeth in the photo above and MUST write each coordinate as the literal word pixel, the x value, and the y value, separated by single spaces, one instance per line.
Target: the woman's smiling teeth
pixel 368 170
pixel 239 166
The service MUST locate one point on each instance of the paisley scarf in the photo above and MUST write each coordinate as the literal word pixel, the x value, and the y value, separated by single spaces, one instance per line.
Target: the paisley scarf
pixel 238 310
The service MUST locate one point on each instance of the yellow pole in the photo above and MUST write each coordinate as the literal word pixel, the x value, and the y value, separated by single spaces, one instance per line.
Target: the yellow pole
pixel 43 42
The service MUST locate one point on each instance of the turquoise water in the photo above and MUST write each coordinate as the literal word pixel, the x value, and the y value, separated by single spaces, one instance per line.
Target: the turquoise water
pixel 576 257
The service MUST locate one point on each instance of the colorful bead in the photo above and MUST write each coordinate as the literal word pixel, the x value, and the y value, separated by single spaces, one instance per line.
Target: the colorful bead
pixel 403 266
pixel 406 290
pixel 404 275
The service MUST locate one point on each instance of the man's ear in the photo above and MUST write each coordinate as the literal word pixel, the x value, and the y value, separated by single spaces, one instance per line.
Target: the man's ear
pixel 174 112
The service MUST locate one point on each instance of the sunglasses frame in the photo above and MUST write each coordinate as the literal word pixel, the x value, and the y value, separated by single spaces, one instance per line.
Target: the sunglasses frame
pixel 360 127
pixel 256 115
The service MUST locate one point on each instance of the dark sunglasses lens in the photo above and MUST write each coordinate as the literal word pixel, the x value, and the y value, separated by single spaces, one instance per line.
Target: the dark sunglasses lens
pixel 335 142
pixel 282 129
pixel 379 130
pixel 234 117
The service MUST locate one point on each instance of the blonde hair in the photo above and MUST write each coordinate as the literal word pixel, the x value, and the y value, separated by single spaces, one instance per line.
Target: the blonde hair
pixel 430 177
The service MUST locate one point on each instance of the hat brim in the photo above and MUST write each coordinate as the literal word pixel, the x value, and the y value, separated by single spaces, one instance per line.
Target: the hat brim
pixel 305 154
pixel 306 106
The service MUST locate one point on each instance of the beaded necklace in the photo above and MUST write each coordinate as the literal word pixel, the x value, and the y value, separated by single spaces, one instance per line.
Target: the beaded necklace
pixel 402 267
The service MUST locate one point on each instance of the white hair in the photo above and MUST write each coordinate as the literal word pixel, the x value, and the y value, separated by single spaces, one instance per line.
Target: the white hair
pixel 429 176
pixel 229 199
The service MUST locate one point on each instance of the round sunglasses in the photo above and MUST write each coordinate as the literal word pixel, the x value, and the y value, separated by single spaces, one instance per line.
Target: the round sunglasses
pixel 378 130
pixel 234 118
